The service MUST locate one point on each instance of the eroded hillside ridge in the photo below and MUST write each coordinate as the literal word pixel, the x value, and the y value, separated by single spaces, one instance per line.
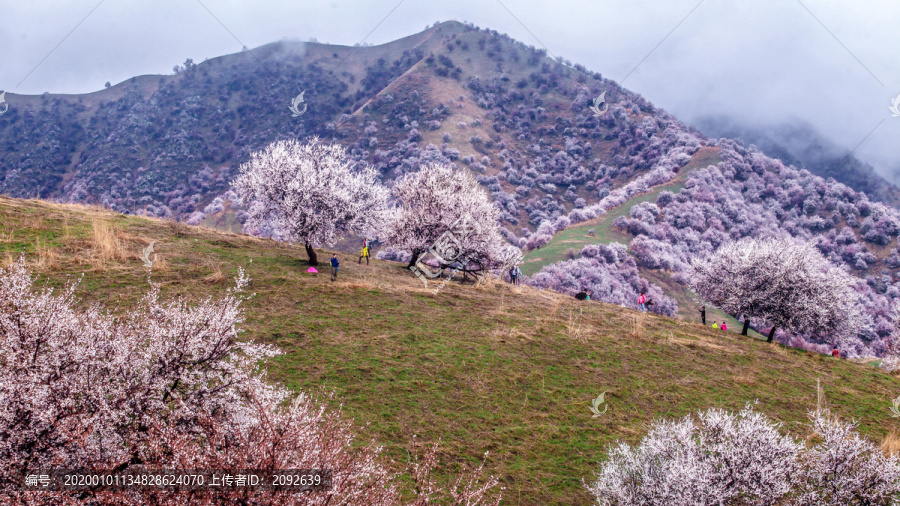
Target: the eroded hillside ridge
pixel 167 146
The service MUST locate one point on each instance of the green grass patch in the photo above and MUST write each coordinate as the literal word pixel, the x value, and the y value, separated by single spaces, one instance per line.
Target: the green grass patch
pixel 509 370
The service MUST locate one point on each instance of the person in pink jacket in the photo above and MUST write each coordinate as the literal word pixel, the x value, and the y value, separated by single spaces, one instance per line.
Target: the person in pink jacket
pixel 642 301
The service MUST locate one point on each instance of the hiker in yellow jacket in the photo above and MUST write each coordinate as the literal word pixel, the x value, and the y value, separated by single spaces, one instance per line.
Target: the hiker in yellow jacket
pixel 364 253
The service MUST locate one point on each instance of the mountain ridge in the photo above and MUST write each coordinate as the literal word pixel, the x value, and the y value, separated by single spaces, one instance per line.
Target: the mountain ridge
pixel 453 94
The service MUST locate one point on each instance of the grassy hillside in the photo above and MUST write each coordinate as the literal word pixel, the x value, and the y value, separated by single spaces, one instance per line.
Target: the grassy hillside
pixel 482 368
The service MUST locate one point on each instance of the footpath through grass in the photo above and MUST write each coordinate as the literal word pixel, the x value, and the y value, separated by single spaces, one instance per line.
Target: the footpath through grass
pixel 492 368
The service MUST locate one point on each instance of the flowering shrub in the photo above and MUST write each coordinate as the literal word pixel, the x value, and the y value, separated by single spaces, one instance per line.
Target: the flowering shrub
pixel 169 386
pixel 741 458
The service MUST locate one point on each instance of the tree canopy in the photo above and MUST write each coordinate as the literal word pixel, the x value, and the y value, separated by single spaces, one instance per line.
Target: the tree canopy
pixel 310 193
pixel 783 282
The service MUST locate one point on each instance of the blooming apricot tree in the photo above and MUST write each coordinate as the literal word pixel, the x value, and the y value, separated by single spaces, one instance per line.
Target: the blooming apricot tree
pixel 309 193
pixel 447 211
pixel 168 386
pixel 742 458
pixel 783 282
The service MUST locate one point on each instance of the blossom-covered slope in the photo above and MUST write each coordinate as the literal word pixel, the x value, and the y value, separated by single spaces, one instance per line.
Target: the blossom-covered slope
pixel 168 146
pixel 750 194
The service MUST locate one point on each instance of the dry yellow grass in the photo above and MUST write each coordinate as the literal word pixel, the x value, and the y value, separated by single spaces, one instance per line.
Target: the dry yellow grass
pixel 357 285
pixel 46 258
pixel 178 229
pixel 778 349
pixel 747 377
pixel 574 330
pixel 705 342
pixel 891 443
pixel 159 264
pixel 37 223
pixel 216 276
pixel 488 282
pixel 637 325
pixel 555 308
pixel 107 244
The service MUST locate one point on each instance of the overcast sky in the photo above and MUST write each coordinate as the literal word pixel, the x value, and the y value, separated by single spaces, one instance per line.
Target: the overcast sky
pixel 833 63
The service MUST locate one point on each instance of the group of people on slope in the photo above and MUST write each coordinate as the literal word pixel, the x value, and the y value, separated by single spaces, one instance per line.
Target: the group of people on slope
pixel 515 275
pixel 336 264
pixel 714 324
pixel 834 353
pixel 644 302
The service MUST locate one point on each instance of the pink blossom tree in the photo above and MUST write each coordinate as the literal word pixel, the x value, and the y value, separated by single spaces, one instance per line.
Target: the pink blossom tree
pixel 845 468
pixel 309 193
pixel 783 282
pixel 742 458
pixel 168 386
pixel 448 210
pixel 715 459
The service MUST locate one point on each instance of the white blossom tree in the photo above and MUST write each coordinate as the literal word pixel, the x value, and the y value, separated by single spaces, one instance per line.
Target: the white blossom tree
pixel 785 283
pixel 712 460
pixel 844 468
pixel 309 193
pixel 742 458
pixel 169 386
pixel 448 212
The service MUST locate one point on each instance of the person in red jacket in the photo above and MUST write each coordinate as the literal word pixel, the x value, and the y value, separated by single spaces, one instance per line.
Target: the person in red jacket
pixel 835 353
pixel 642 301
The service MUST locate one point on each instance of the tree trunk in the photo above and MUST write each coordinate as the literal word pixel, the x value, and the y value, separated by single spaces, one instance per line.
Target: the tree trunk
pixel 746 326
pixel 413 258
pixel 771 335
pixel 313 260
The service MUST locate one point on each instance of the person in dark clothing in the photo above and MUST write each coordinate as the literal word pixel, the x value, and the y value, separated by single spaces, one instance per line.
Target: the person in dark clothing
pixel 335 267
pixel 582 295
pixel 703 314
